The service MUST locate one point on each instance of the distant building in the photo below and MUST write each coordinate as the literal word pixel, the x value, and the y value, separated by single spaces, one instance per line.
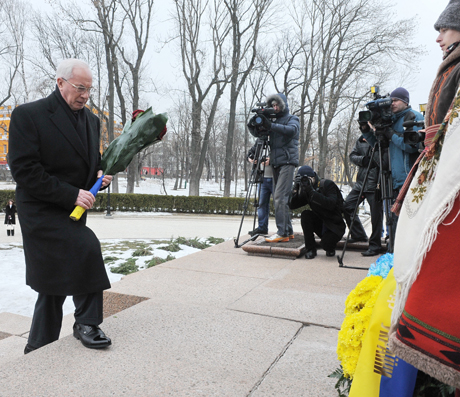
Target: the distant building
pixel 152 171
pixel 5 116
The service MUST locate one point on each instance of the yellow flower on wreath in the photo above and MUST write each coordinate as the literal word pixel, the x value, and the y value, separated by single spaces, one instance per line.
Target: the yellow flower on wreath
pixel 358 310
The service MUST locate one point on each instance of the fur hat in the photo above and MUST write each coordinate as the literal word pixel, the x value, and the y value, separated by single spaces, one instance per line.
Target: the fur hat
pixel 450 17
pixel 401 94
pixel 277 98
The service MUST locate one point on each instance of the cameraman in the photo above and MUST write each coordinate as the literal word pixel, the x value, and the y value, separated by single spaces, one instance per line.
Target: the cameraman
pixel 402 156
pixel 265 189
pixel 324 217
pixel 284 157
pixel 361 157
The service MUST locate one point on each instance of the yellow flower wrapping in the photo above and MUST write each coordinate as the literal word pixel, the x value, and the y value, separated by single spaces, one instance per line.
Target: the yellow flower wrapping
pixel 358 311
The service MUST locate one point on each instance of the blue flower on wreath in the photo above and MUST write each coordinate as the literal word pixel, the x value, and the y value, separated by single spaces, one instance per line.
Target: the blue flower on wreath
pixel 382 266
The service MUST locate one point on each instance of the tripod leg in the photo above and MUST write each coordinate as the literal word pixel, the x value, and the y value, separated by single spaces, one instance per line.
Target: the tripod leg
pixel 340 258
pixel 387 197
pixel 261 151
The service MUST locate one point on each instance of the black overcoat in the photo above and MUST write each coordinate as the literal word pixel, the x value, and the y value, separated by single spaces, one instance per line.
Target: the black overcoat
pixel 10 215
pixel 50 164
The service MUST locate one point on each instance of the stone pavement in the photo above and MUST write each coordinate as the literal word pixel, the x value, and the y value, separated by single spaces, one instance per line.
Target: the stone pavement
pixel 218 322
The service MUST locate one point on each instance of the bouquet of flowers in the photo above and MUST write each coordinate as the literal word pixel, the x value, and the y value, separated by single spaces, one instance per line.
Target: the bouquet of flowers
pixel 144 129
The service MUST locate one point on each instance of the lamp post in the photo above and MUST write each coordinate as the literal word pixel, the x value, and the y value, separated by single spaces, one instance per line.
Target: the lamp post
pixel 108 214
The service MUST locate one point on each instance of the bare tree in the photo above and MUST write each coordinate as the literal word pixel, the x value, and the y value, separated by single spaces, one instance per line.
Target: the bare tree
pixel 347 47
pixel 179 130
pixel 12 36
pixel 201 81
pixel 138 14
pixel 247 18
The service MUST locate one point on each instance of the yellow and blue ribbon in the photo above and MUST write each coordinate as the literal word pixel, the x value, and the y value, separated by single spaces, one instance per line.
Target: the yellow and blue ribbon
pixel 79 211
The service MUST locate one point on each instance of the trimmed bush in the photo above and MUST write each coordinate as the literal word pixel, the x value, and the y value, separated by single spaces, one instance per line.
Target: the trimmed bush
pixel 158 203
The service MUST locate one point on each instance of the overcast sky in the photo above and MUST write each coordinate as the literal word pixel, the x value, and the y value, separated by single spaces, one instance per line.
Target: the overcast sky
pixel 426 12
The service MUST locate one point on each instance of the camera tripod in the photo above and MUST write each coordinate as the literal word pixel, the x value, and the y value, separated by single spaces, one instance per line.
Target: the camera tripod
pixel 385 187
pixel 257 177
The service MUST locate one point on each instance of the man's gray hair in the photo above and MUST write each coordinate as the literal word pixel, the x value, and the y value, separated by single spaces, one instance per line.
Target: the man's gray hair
pixel 66 67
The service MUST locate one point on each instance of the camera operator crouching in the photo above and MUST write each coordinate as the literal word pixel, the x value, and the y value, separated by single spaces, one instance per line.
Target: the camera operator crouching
pixel 402 155
pixel 324 215
pixel 283 131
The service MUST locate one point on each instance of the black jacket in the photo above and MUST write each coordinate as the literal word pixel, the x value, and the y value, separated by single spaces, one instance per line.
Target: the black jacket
pixel 360 150
pixel 10 215
pixel 50 164
pixel 326 202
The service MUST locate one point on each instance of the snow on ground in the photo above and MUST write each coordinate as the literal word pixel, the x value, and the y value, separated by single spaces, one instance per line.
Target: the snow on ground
pixel 18 298
pixel 155 186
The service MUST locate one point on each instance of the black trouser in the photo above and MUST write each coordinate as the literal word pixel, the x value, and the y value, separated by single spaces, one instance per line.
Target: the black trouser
pixel 47 318
pixel 357 230
pixel 312 223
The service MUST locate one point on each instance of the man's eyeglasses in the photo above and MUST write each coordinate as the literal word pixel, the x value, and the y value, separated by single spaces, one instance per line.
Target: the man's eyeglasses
pixel 79 88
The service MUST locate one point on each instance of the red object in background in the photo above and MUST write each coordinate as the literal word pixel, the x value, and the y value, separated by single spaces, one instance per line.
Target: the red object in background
pixel 152 171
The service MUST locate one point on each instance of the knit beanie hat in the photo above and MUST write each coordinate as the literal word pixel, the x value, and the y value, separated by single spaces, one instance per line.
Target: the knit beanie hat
pixel 450 17
pixel 306 170
pixel 401 94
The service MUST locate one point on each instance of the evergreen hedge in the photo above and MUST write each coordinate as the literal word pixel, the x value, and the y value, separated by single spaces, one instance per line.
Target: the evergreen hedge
pixel 159 203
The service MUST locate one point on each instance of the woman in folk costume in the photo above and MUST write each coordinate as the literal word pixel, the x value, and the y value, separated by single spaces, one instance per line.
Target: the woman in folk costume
pixel 425 328
pixel 10 217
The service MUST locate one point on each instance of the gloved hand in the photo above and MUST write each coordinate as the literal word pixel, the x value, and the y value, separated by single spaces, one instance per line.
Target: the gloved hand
pixel 306 186
pixel 389 132
pixel 266 123
pixel 364 127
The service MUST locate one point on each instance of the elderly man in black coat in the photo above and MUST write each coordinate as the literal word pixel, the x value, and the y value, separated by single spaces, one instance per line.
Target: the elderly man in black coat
pixel 55 159
pixel 324 215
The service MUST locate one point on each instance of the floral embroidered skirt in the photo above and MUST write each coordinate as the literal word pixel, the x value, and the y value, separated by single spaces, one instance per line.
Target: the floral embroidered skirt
pixel 428 332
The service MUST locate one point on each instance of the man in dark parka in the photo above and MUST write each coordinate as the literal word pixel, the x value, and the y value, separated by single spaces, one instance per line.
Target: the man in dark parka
pixel 284 157
pixel 55 159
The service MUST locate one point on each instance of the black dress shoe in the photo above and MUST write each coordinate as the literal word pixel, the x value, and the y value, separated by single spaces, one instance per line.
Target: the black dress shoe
pixel 257 231
pixel 91 336
pixel 310 254
pixel 357 240
pixel 29 349
pixel 371 252
pixel 330 253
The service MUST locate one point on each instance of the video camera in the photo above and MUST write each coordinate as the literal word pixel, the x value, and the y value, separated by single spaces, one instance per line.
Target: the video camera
pixel 412 137
pixel 255 123
pixel 379 111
